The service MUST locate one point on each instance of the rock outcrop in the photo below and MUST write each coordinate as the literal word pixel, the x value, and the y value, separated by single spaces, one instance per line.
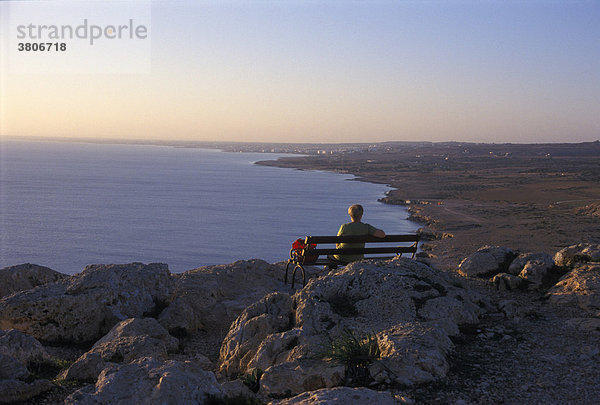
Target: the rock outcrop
pixel 342 396
pixel 127 341
pixel 487 261
pixel 581 253
pixel 211 297
pixel 580 288
pixel 23 348
pixel 26 276
pixel 542 259
pixel 506 282
pixel 18 352
pixel 150 381
pixel 84 307
pixel 285 335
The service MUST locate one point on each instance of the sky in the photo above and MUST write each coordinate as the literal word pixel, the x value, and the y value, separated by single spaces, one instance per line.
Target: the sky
pixel 310 71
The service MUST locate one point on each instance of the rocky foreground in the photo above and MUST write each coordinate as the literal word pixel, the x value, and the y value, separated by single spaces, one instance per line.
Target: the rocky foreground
pixel 504 328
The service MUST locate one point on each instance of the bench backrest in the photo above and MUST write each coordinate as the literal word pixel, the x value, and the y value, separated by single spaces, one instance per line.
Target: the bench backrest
pixel 414 239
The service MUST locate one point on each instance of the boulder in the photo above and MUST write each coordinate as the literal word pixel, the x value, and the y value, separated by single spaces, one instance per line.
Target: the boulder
pixel 17 352
pixel 13 390
pixel 211 297
pixel 411 353
pixel 535 273
pixel 26 276
pixel 149 381
pixel 581 253
pixel 236 388
pixel 270 315
pixel 403 302
pixel 505 281
pixel 487 261
pixel 521 261
pixel 341 396
pixel 135 327
pixel 11 368
pixel 87 368
pixel 294 377
pixel 84 307
pixel 580 287
pixel 127 341
pixel 23 348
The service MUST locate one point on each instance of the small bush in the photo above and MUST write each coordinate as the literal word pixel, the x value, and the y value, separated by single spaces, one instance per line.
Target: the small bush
pixel 352 350
pixel 48 369
pixel 356 353
pixel 252 380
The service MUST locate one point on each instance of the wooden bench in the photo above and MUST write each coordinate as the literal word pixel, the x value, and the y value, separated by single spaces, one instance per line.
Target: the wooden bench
pixel 299 259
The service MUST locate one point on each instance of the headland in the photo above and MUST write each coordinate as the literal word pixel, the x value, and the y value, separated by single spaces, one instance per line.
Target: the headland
pixel 532 197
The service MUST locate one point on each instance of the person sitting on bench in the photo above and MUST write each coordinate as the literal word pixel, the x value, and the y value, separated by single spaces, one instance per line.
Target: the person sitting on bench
pixel 356 227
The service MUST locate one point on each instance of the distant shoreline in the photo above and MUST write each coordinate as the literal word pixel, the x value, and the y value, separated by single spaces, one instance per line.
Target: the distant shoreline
pixel 470 195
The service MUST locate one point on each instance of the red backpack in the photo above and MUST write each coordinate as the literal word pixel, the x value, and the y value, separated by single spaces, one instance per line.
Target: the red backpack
pixel 297 252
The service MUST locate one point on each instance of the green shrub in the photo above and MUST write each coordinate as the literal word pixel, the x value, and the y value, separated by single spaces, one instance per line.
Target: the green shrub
pixel 356 352
pixel 252 380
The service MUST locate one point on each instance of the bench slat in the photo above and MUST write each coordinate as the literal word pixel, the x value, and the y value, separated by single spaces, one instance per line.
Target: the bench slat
pixel 360 239
pixel 358 251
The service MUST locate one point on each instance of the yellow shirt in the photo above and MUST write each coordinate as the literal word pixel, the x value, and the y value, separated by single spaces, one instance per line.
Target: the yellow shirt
pixel 353 228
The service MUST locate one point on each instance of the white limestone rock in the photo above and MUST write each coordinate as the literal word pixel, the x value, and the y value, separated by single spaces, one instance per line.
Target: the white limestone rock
pixel 580 253
pixel 236 388
pixel 13 390
pixel 404 302
pixel 127 341
pixel 17 352
pixel 149 381
pixel 411 353
pixel 341 396
pixel 580 287
pixel 292 378
pixel 26 276
pixel 134 327
pixel 506 282
pixel 487 261
pixel 535 273
pixel 517 265
pixel 23 348
pixel 211 297
pixel 84 307
pixel 87 368
pixel 270 315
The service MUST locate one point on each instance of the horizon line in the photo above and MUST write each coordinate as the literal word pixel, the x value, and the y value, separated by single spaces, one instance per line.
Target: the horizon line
pixel 178 142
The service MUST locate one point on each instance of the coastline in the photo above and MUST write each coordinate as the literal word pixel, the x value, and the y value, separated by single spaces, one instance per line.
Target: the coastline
pixel 531 198
pixel 472 339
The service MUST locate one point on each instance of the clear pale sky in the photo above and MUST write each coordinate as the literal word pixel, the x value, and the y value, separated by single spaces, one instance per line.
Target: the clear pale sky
pixel 335 71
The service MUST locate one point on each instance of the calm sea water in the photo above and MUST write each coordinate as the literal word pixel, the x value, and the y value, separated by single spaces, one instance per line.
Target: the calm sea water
pixel 66 205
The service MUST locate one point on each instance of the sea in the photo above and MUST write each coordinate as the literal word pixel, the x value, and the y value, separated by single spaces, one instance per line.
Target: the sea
pixel 65 205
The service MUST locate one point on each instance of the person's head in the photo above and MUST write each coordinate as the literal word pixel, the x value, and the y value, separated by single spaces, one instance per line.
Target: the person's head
pixel 356 212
